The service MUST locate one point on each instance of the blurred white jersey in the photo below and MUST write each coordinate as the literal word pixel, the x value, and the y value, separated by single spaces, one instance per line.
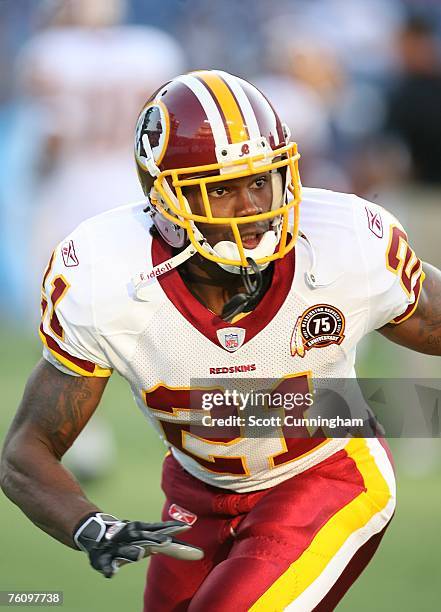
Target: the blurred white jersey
pixel 85 86
pixel 350 273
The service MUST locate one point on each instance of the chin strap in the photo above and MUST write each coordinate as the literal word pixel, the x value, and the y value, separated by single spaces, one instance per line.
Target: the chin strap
pixel 311 274
pixel 245 301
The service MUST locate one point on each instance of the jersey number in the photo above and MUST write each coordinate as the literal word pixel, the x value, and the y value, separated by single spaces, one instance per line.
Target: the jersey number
pixel 401 259
pixel 60 287
pixel 220 454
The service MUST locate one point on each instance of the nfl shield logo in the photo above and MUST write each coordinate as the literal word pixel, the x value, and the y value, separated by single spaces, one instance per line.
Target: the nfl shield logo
pixel 231 338
pixel 231 341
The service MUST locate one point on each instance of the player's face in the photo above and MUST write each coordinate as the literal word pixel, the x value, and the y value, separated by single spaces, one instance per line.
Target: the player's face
pixel 250 195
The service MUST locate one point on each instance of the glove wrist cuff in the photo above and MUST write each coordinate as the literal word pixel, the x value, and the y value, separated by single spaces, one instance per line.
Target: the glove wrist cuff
pixel 93 529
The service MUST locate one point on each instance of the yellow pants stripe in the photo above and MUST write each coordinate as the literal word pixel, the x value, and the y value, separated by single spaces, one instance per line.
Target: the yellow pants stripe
pixel 355 515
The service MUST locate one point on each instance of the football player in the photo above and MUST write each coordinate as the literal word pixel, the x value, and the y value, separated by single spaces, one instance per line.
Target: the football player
pixel 78 139
pixel 219 275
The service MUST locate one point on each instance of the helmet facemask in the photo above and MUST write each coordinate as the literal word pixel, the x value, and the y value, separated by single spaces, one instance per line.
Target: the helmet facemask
pixel 173 213
pixel 203 129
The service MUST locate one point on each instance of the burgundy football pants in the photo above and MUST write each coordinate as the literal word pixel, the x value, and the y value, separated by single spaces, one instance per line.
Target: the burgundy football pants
pixel 297 546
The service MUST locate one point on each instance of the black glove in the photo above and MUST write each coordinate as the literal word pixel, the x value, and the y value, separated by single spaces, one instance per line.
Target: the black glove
pixel 111 543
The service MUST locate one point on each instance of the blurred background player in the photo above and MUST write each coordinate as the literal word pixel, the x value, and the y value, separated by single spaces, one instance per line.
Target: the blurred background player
pixel 416 87
pixel 83 78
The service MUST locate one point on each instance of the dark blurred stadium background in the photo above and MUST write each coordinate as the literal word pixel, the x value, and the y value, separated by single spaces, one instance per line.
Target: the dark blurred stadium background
pixel 358 82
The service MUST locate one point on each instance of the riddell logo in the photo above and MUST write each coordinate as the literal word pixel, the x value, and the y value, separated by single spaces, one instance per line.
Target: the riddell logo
pixel 234 369
pixel 157 271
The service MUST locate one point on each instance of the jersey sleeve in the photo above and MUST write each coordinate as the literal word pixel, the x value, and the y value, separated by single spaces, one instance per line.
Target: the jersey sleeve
pixel 68 328
pixel 393 272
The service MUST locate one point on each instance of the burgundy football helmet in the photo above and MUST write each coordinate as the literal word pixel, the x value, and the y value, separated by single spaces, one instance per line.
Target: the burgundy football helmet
pixel 210 126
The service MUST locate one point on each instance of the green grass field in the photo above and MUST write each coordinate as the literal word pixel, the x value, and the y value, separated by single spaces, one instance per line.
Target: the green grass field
pixel 404 575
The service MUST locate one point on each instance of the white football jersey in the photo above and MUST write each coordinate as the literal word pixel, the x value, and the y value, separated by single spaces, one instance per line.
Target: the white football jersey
pixel 351 272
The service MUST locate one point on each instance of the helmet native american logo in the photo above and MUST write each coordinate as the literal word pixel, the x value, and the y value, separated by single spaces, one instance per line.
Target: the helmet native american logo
pixel 152 132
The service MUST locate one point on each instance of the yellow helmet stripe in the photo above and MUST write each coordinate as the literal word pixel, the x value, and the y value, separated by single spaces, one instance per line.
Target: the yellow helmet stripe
pixel 227 104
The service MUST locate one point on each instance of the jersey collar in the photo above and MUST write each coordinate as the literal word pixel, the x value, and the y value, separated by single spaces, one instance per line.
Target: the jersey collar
pixel 208 323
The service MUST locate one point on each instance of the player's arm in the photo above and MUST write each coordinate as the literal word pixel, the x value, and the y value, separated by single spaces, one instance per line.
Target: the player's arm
pixel 54 409
pixel 60 397
pixel 422 331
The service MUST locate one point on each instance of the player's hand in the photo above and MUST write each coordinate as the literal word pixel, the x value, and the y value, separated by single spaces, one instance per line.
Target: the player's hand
pixel 111 543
